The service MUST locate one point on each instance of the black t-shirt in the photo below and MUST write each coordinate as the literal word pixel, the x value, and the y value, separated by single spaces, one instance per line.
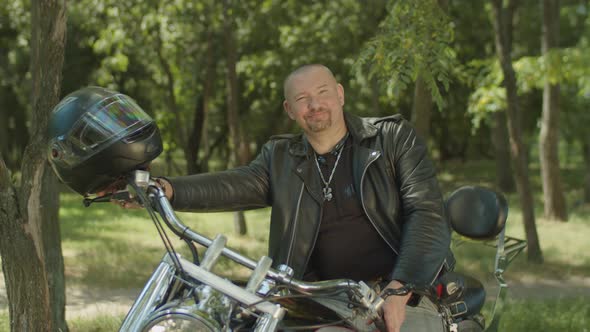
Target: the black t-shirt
pixel 347 246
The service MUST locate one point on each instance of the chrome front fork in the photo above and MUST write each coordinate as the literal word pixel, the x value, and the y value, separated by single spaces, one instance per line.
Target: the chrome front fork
pixel 151 296
pixel 154 292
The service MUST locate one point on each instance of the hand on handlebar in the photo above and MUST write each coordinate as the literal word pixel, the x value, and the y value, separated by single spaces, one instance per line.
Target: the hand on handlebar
pixel 119 195
pixel 394 308
pixel 166 187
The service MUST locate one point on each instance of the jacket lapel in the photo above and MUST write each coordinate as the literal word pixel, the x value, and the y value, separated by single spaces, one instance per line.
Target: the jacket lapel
pixel 306 169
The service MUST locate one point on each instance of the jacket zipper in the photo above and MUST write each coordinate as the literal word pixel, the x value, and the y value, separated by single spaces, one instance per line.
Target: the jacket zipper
pixel 365 209
pixel 315 238
pixel 295 225
pixel 444 262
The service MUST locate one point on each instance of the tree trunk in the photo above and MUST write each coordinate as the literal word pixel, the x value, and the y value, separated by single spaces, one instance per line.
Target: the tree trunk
pixel 502 21
pixel 4 136
pixel 586 147
pixel 14 134
pixel 238 139
pixel 499 131
pixel 180 129
pixel 422 106
pixel 422 109
pixel 555 207
pixel 199 135
pixel 30 244
pixel 194 140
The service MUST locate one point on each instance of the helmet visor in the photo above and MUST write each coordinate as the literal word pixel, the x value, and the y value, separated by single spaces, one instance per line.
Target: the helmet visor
pixel 110 119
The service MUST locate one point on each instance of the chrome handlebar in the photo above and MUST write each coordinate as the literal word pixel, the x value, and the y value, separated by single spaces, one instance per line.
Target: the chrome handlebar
pixel 166 211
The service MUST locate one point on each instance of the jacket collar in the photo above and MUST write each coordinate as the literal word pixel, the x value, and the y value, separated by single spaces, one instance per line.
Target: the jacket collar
pixel 359 129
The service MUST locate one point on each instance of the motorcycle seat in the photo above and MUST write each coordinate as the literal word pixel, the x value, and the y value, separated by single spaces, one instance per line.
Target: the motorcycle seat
pixel 477 212
pixel 462 294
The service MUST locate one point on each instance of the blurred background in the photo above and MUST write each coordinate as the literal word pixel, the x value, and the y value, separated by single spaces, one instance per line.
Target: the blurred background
pixel 500 93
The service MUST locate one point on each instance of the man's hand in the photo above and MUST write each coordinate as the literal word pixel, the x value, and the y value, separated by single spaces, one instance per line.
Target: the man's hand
pixel 166 187
pixel 115 187
pixel 394 308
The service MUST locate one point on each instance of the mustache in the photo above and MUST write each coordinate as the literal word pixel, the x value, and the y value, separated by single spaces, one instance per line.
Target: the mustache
pixel 318 110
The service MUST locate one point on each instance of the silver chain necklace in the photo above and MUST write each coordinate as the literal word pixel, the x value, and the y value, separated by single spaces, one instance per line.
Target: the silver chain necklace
pixel 327 190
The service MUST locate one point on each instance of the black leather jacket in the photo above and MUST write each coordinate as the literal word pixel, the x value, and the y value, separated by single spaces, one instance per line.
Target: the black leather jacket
pixel 391 171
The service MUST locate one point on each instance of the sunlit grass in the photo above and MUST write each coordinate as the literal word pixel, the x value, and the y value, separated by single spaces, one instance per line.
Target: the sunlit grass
pixel 564 245
pixel 4 320
pixel 560 315
pixel 99 323
pixel 106 246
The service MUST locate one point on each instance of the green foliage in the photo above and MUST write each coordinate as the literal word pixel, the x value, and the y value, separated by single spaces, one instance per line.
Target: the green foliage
pixel 489 95
pixel 15 33
pixel 415 41
pixel 567 67
pixel 156 52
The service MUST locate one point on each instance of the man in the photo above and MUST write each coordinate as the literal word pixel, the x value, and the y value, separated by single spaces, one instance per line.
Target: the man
pixel 351 197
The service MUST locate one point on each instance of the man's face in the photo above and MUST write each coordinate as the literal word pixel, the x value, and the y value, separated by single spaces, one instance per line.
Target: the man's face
pixel 314 100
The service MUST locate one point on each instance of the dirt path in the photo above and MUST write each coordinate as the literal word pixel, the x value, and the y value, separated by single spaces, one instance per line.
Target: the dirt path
pixel 94 302
pixel 539 289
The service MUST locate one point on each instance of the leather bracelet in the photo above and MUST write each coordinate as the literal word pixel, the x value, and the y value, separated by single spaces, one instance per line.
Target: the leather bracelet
pixel 402 291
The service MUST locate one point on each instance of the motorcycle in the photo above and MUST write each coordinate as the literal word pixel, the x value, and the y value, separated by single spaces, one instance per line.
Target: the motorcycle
pixel 185 295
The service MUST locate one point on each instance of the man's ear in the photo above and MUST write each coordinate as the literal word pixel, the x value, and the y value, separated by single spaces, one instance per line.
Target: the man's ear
pixel 340 90
pixel 288 109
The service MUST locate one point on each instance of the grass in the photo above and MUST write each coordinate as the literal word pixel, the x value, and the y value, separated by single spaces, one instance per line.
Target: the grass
pixel 101 323
pixel 106 246
pixel 561 315
pixel 4 320
pixel 564 245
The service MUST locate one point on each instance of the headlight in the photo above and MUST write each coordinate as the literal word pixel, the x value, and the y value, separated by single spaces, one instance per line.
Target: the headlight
pixel 180 320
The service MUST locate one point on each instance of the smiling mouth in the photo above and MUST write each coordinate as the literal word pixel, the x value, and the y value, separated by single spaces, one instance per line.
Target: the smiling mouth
pixel 316 114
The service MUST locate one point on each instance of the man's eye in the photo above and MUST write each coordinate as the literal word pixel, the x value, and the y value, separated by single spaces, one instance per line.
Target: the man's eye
pixel 322 92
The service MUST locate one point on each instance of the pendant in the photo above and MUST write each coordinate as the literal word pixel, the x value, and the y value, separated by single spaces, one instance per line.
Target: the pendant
pixel 327 193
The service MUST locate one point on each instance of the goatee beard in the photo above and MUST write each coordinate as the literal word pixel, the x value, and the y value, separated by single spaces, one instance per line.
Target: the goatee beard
pixel 316 126
pixel 319 126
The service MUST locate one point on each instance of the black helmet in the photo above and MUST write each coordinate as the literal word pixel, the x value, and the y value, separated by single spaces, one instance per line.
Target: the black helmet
pixel 96 136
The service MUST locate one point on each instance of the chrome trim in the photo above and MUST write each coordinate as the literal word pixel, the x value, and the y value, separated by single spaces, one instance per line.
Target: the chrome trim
pixel 507 248
pixel 195 315
pixel 152 293
pixel 258 275
pixel 168 213
pixel 212 254
pixel 226 287
pixel 267 323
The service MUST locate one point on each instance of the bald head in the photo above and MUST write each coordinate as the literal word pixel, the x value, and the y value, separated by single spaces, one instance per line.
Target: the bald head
pixel 304 70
